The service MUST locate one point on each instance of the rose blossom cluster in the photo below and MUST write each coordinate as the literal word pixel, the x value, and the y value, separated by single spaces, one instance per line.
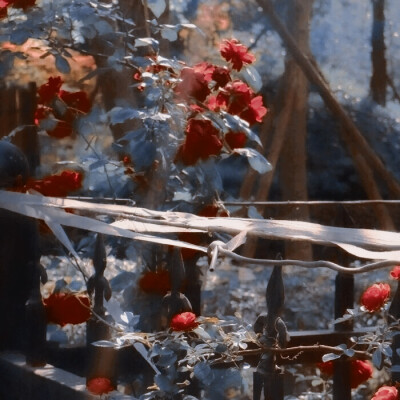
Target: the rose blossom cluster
pixel 5 4
pixel 206 88
pixel 61 106
pixel 377 295
pixel 360 371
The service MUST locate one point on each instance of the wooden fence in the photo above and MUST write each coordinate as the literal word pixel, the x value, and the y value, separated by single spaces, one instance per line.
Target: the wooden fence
pixel 23 327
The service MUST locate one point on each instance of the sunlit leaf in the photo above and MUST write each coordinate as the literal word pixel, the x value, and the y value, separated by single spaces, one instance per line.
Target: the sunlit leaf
pixel 157 7
pixel 330 357
pixel 258 162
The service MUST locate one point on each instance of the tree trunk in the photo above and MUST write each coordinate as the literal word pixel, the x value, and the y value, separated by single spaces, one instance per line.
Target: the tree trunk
pixel 379 81
pixel 292 162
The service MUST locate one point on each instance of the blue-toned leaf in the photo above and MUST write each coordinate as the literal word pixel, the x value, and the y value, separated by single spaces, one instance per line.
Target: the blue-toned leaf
pixel 88 32
pixel 377 359
pixel 157 7
pixel 169 32
pixel 19 36
pixel 252 77
pixel 118 115
pixel 62 64
pixel 164 383
pixel 140 42
pixel 142 153
pixel 203 372
pixel 330 357
pixel 258 162
pixel 387 350
pixel 134 135
pixel 103 27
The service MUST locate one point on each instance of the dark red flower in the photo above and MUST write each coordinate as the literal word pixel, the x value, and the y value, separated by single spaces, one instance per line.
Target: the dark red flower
pixel 221 76
pixel 193 84
pixel 99 386
pixel 56 185
pixel 360 371
pixel 156 282
pixel 206 69
pixel 41 112
pixel 24 4
pixel 255 111
pixel 395 272
pixel 375 296
pixel 78 101
pixel 67 308
pixel 184 322
pixel 50 89
pixel 236 140
pixel 192 238
pixel 201 141
pixel 3 8
pixel 235 97
pixel 62 130
pixel 235 52
pixel 386 393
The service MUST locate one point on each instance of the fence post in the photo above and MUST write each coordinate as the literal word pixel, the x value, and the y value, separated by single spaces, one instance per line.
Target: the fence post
pixel 344 299
pixel 23 324
pixel 273 329
pixel 394 313
pixel 102 357
pixel 174 302
pixel 18 110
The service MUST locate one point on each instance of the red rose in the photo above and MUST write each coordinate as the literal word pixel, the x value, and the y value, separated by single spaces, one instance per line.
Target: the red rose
pixel 3 8
pixel 375 296
pixel 99 386
pixel 395 272
pixel 62 130
pixel 193 84
pixel 50 89
pixel 156 282
pixel 77 101
pixel 255 111
pixel 206 69
pixel 236 140
pixel 22 3
pixel 67 308
pixel 56 185
pixel 360 371
pixel 386 393
pixel 184 322
pixel 235 52
pixel 221 76
pixel 201 141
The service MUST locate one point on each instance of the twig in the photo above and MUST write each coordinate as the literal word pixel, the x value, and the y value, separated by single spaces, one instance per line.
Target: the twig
pixel 290 350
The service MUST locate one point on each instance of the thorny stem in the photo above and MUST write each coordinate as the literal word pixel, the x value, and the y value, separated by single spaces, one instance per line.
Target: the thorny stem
pixel 292 351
